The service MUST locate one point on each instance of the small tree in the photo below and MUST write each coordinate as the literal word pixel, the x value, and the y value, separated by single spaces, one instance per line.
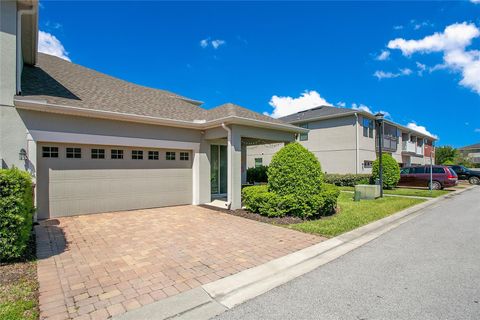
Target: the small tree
pixel 391 171
pixel 295 171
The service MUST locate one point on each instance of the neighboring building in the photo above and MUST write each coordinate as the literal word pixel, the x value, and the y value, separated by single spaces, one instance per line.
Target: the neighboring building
pixel 472 152
pixel 345 141
pixel 94 143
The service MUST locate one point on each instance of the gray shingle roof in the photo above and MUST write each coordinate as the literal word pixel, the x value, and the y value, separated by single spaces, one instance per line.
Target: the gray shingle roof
pixel 472 146
pixel 314 113
pixel 59 82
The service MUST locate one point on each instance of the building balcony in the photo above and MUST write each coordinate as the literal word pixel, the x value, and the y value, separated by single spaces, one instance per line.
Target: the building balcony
pixel 390 144
pixel 412 148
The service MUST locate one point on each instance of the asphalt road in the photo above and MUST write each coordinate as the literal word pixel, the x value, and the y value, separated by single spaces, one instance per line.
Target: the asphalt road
pixel 427 268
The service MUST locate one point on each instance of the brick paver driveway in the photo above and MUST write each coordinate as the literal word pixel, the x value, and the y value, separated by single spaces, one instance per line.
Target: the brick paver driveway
pixel 97 266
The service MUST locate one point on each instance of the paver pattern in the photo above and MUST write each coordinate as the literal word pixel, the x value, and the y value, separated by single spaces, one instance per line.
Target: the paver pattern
pixel 101 265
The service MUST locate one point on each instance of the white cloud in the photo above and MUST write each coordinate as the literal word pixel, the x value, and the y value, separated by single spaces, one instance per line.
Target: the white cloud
pixel 283 106
pixel 214 43
pixel 419 25
pixel 341 104
pixel 48 43
pixel 421 129
pixel 379 74
pixel 398 27
pixel 217 43
pixel 384 55
pixel 421 68
pixel 477 130
pixel 475 1
pixel 453 42
pixel 362 107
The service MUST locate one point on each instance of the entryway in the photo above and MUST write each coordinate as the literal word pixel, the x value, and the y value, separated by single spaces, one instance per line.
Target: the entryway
pixel 218 169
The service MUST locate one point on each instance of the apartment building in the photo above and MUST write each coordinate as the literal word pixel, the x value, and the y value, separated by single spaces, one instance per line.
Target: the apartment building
pixel 346 141
pixel 472 152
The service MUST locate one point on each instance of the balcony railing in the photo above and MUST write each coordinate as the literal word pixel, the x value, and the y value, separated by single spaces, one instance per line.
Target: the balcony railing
pixel 409 147
pixel 389 143
pixel 419 150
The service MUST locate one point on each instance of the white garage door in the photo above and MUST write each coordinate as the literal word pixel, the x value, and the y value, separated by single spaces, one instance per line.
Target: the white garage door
pixel 81 179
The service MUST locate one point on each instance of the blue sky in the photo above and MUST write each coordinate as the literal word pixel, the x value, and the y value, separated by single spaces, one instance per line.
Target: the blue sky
pixel 418 61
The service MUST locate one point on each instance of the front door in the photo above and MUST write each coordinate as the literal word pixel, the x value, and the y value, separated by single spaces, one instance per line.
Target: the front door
pixel 218 169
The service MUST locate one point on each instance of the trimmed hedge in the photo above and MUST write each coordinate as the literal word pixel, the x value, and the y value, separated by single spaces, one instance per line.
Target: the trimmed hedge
pixel 295 170
pixel 391 171
pixel 258 174
pixel 260 200
pixel 16 213
pixel 348 180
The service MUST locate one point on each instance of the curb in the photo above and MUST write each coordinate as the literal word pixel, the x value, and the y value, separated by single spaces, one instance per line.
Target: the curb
pixel 219 296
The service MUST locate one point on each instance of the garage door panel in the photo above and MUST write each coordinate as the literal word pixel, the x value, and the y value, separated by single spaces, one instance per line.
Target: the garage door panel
pixel 80 186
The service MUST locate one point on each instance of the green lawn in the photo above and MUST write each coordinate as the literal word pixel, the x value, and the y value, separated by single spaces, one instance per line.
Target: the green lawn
pixel 409 192
pixel 355 214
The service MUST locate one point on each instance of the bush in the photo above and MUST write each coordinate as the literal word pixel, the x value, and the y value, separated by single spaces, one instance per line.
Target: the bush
pixel 257 174
pixel 328 196
pixel 16 213
pixel 391 171
pixel 294 170
pixel 347 180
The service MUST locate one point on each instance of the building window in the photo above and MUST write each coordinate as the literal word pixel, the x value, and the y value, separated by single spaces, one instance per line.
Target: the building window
pixel 98 153
pixel 304 136
pixel 50 152
pixel 184 156
pixel 116 154
pixel 258 162
pixel 152 155
pixel 137 154
pixel 367 164
pixel 170 155
pixel 367 128
pixel 74 153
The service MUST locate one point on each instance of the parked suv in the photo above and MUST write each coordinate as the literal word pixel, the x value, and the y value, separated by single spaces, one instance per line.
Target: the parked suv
pixel 442 177
pixel 466 174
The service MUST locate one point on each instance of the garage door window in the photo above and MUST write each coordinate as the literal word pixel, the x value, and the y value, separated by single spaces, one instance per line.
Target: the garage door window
pixel 152 155
pixel 50 152
pixel 170 155
pixel 116 154
pixel 98 153
pixel 137 154
pixel 74 153
pixel 184 156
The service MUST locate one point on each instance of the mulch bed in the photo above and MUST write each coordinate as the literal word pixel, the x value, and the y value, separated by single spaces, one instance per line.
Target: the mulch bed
pixel 255 216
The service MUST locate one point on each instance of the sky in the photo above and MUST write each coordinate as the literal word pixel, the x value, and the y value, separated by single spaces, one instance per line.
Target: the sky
pixel 418 62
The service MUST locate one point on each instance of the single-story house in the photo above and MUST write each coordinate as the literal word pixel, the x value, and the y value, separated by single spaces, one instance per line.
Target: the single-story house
pixel 95 143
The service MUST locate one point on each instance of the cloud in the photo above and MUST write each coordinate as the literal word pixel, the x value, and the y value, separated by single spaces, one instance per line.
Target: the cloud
pixel 217 43
pixel 379 74
pixel 53 25
pixel 477 130
pixel 421 129
pixel 421 68
pixel 341 104
pixel 418 25
pixel 362 107
pixel 384 55
pixel 283 106
pixel 475 1
pixel 452 42
pixel 48 43
pixel 398 27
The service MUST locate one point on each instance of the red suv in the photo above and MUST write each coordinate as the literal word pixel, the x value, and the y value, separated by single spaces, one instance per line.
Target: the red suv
pixel 442 177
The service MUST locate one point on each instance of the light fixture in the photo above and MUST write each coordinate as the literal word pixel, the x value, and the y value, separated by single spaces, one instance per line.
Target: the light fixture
pixel 22 155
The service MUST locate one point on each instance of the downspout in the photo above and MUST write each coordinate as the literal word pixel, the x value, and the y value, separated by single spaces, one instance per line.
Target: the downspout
pixel 20 13
pixel 229 165
pixel 357 150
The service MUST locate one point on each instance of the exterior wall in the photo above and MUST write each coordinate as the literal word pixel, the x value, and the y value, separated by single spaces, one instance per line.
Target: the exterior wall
pixel 264 151
pixel 8 45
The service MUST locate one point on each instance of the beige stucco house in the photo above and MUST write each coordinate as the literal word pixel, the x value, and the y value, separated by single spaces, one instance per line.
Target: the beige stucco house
pixel 345 141
pixel 94 143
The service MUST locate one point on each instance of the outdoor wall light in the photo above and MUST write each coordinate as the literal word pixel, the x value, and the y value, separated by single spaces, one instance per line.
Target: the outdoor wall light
pixel 22 155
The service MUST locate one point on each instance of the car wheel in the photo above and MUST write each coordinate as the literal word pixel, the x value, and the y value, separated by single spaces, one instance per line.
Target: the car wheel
pixel 436 185
pixel 474 180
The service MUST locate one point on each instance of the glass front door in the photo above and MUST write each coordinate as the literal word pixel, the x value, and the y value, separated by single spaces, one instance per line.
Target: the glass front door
pixel 218 169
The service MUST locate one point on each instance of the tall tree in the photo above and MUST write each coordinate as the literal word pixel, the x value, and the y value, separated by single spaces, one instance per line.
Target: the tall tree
pixel 445 154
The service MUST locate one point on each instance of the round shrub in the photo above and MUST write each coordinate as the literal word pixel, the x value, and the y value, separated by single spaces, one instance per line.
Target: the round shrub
pixel 391 171
pixel 294 171
pixel 257 174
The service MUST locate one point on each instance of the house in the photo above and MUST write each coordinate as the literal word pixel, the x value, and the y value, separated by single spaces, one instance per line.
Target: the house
pixel 94 143
pixel 345 140
pixel 472 152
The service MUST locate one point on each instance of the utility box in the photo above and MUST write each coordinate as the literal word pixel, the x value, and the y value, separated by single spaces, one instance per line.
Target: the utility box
pixel 367 192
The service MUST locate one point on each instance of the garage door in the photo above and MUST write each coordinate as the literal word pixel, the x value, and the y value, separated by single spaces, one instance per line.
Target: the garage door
pixel 81 179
